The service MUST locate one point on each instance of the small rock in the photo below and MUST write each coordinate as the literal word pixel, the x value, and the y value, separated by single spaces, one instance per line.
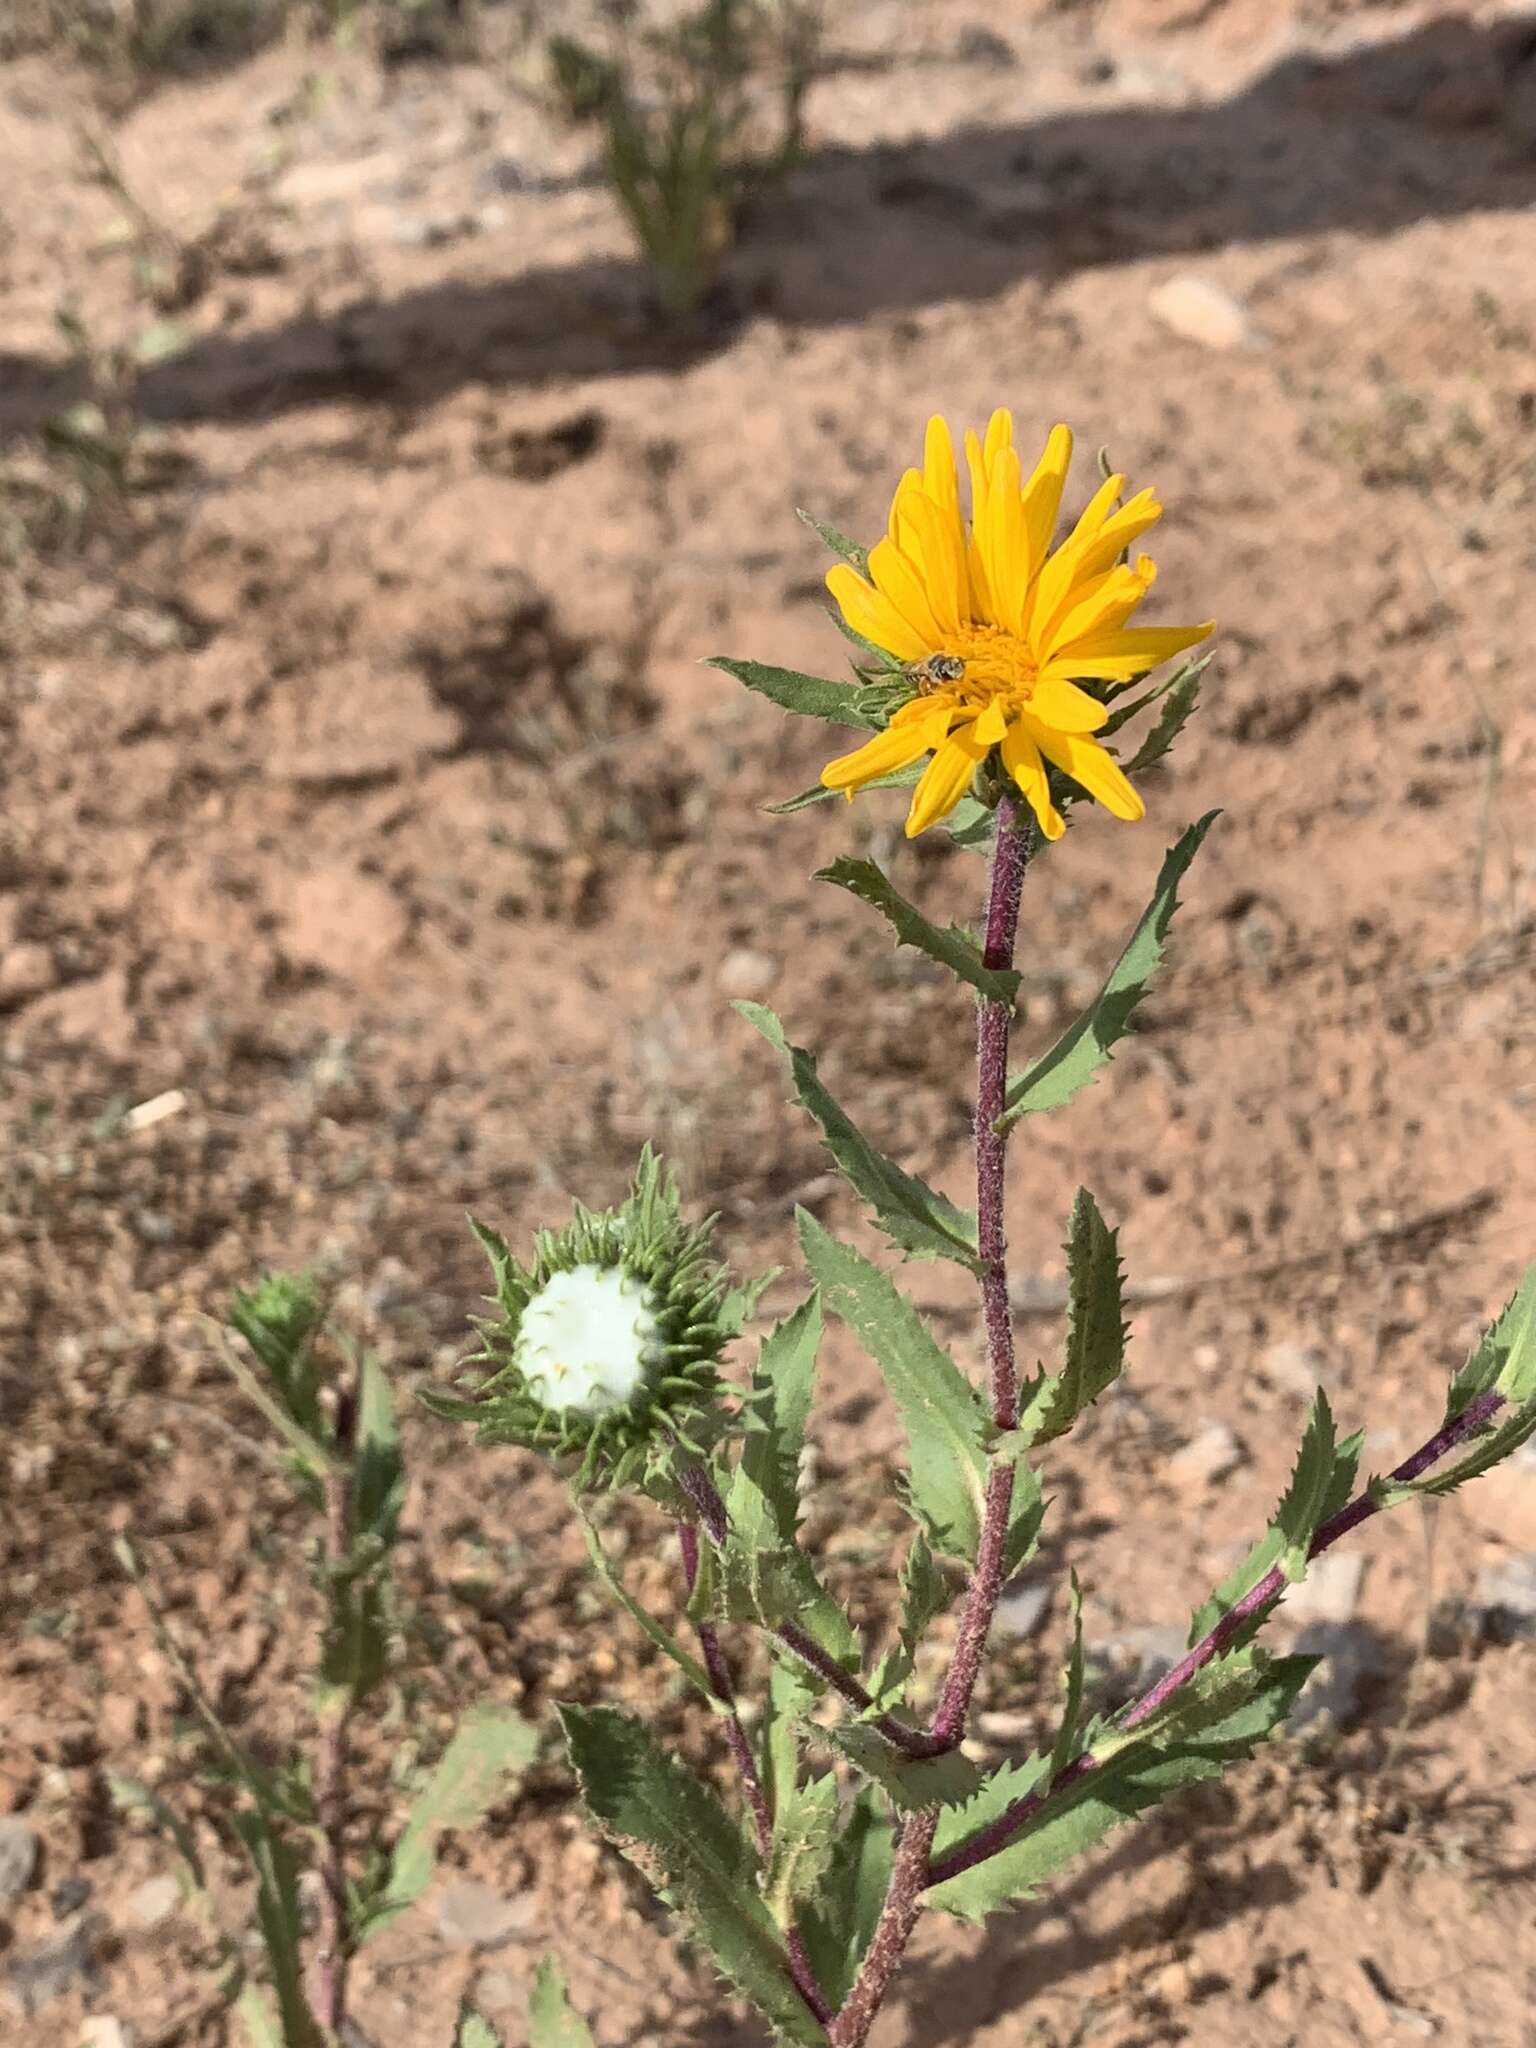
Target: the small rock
pixel 104 2030
pixel 1175 1985
pixel 977 45
pixel 1197 310
pixel 1331 1589
pixel 1210 1456
pixel 1021 1609
pixel 152 1903
pixel 26 970
pixel 1298 1369
pixel 472 1915
pixel 18 1858
pixel 1007 1730
pixel 1336 1688
pixel 44 1972
pixel 745 973
pixel 1506 1595
pixel 496 1991
pixel 69 1895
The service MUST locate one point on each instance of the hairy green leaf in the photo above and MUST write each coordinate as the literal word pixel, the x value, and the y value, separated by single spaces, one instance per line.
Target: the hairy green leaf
pixel 1069 1735
pixel 839 543
pixel 912 1784
pixel 945 1423
pixel 1179 698
pixel 809 696
pixel 950 945
pixel 277 1916
pixel 913 1215
pixel 818 793
pixel 1499 1442
pixel 925 1593
pixel 552 2020
pixel 839 1922
pixel 1026 1513
pixel 473 2030
pixel 1320 1485
pixel 1133 1773
pixel 1085 1046
pixel 490 1747
pixel 804 1836
pixel 1505 1357
pixel 665 1816
pixel 1096 1330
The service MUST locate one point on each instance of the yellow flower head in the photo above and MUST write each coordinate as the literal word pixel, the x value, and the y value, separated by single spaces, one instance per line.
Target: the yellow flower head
pixel 997 630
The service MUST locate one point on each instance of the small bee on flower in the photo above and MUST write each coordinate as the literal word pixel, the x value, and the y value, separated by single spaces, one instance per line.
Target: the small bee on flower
pixel 932 674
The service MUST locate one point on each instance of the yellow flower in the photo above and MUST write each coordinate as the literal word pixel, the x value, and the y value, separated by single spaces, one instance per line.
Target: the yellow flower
pixel 997 631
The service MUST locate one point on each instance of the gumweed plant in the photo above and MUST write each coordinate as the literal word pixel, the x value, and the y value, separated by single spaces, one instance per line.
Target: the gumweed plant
pixel 996 667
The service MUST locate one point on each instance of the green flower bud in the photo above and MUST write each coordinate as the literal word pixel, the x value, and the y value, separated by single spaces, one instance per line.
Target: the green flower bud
pixel 606 1349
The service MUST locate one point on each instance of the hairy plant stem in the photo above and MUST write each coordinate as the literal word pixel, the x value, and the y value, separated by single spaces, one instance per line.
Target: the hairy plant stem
pixel 998 1834
pixel 705 1500
pixel 909 1871
pixel 724 1689
pixel 332 1950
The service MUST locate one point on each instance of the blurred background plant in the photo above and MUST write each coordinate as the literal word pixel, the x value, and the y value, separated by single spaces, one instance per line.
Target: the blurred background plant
pixel 328 1874
pixel 699 115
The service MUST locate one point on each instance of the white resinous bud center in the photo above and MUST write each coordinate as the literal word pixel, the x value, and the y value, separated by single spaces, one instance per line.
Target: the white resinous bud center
pixel 587 1340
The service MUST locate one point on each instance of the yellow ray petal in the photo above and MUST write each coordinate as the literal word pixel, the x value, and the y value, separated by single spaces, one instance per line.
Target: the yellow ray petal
pixel 992 725
pixel 940 479
pixel 1062 704
pixel 1021 757
pixel 1133 519
pixel 873 615
pixel 1100 606
pixel 879 756
pixel 1121 657
pixel 1088 764
pixel 982 606
pixel 934 539
pixel 945 780
pixel 1042 494
pixel 1004 544
pixel 999 434
pixel 902 582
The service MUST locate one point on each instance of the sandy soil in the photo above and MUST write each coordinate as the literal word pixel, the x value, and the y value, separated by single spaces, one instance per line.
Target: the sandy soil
pixel 363 784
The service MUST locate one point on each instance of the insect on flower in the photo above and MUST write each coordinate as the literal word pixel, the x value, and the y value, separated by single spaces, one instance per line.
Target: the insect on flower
pixel 934 673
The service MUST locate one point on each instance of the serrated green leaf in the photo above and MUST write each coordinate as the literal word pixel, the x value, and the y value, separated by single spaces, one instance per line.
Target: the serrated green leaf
pixel 945 1422
pixel 807 696
pixel 1095 1347
pixel 693 1852
pixel 804 1836
pixel 839 543
pixel 1085 1046
pixel 925 1593
pixel 913 1215
pixel 1133 1774
pixel 818 793
pixel 1320 1484
pixel 489 1748
pixel 970 824
pixel 912 1784
pixel 1179 699
pixel 552 2020
pixel 791 1694
pixel 1505 1357
pixel 839 1923
pixel 949 945
pixel 1069 1735
pixel 1491 1449
pixel 1026 1513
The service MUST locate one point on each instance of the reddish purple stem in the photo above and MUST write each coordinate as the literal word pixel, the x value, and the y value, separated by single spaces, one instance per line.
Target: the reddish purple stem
pixel 998 1834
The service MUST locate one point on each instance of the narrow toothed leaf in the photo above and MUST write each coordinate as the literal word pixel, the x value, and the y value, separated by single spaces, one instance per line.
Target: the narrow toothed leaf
pixel 1086 1045
pixel 1069 1734
pixel 949 945
pixel 1095 1352
pixel 552 2020
pixel 913 1215
pixel 664 1815
pixel 807 696
pixel 839 543
pixel 840 1921
pixel 945 1422
pixel 1504 1360
pixel 1179 699
pixel 804 1837
pixel 912 1784
pixel 1321 1483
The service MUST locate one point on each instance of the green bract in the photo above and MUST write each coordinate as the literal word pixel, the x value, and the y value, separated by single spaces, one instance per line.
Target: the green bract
pixel 606 1348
